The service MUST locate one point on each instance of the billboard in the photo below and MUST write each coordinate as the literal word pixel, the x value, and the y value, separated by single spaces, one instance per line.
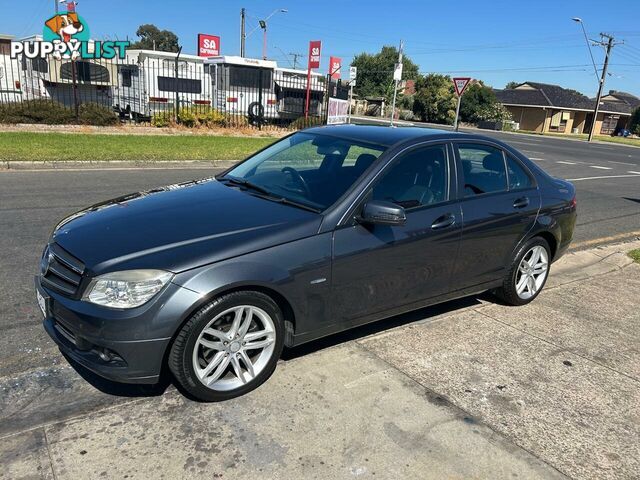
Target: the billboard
pixel 208 45
pixel 335 64
pixel 315 47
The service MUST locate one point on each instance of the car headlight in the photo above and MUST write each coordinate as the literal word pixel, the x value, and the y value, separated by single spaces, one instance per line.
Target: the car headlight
pixel 126 289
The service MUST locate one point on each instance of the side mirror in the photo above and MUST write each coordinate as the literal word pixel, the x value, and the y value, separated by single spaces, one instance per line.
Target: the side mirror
pixel 379 212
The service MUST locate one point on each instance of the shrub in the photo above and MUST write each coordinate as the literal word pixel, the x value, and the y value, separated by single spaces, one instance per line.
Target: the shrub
pixel 94 114
pixel 187 117
pixel 161 119
pixel 49 112
pixel 36 111
pixel 302 122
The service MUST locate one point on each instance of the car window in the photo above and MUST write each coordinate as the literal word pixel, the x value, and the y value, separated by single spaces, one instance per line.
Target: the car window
pixel 483 169
pixel 417 178
pixel 518 176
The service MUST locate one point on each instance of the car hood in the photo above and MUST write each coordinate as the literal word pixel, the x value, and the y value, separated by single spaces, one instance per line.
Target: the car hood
pixel 179 227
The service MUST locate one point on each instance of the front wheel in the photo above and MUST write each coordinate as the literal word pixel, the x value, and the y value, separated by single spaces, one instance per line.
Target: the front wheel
pixel 229 347
pixel 527 274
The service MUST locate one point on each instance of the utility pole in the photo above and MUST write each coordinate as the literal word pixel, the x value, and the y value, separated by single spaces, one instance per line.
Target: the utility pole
pixel 55 5
pixel 243 35
pixel 397 76
pixel 295 58
pixel 609 44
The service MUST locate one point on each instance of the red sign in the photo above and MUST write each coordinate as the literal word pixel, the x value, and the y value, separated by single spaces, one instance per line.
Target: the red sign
pixel 315 47
pixel 208 45
pixel 460 84
pixel 335 64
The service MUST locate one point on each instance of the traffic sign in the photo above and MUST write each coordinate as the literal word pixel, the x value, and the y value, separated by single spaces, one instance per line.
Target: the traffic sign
pixel 397 72
pixel 460 84
pixel 353 73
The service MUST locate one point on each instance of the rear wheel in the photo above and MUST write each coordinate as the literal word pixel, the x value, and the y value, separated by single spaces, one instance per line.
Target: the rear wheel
pixel 528 273
pixel 229 347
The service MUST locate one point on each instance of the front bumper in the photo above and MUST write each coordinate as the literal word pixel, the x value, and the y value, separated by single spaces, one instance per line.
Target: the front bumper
pixel 125 346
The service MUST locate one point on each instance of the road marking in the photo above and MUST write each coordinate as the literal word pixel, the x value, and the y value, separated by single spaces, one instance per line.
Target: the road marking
pixel 538 159
pixel 609 239
pixel 598 178
pixel 567 163
pixel 635 173
pixel 601 168
pixel 621 163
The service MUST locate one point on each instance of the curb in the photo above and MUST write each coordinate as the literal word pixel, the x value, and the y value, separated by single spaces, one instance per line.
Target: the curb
pixel 115 164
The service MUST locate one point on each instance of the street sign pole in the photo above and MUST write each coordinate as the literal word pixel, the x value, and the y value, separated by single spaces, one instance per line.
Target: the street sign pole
pixel 397 76
pixel 455 124
pixel 460 84
pixel 353 74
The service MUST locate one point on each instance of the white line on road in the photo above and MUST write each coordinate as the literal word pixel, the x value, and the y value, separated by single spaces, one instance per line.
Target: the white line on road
pixel 537 159
pixel 567 163
pixel 635 173
pixel 600 168
pixel 621 163
pixel 599 178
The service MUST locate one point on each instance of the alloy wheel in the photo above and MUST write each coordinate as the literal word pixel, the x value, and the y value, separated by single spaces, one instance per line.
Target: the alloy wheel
pixel 234 348
pixel 532 272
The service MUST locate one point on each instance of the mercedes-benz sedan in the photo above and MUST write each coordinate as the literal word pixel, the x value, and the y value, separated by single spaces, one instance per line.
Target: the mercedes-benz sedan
pixel 324 230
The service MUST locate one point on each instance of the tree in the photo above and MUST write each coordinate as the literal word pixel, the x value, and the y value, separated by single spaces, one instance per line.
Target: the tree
pixel 435 100
pixel 634 123
pixel 511 85
pixel 152 38
pixel 477 97
pixel 375 72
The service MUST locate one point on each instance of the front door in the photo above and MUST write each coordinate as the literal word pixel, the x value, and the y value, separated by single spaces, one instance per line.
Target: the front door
pixel 500 203
pixel 377 268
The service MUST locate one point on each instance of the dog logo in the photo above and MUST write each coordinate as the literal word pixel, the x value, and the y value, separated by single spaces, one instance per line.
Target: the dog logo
pixel 68 28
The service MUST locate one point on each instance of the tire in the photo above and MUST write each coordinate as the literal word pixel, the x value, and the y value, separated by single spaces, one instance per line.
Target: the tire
pixel 208 337
pixel 511 292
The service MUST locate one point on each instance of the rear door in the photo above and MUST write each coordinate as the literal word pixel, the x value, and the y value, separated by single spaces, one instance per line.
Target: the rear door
pixel 500 202
pixel 378 268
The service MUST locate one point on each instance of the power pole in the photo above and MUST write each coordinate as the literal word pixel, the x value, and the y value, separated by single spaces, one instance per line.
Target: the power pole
pixel 295 58
pixel 397 75
pixel 609 44
pixel 55 5
pixel 243 35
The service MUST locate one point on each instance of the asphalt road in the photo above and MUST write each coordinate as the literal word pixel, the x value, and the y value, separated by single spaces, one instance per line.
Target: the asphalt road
pixel 31 202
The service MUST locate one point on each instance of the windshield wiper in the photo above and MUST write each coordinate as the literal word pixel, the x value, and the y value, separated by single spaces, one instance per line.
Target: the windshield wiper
pixel 267 194
pixel 247 184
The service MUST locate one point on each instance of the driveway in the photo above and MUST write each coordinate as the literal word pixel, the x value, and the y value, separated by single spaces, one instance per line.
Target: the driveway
pixel 471 389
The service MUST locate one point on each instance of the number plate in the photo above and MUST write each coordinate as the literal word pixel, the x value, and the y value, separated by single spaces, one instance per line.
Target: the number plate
pixel 42 303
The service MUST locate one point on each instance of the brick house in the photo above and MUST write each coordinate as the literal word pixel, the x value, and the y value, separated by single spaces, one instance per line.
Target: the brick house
pixel 543 108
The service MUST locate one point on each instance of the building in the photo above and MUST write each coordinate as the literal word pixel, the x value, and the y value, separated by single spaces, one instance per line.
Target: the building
pixel 544 108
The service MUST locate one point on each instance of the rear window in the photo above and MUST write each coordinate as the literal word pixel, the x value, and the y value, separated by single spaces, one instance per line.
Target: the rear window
pixel 483 169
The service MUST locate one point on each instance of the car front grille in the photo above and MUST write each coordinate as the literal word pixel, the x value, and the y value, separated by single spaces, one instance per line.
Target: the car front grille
pixel 61 271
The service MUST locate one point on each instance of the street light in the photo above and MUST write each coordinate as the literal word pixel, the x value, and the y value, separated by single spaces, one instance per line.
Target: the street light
pixel 263 25
pixel 586 39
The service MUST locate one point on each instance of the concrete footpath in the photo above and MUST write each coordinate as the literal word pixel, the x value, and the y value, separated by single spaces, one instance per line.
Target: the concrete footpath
pixel 470 389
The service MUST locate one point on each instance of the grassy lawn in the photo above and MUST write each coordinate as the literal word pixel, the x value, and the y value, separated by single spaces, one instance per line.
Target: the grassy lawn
pixel 584 136
pixel 635 255
pixel 25 146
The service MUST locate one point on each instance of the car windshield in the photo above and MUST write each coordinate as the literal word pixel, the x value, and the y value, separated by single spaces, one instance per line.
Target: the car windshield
pixel 306 169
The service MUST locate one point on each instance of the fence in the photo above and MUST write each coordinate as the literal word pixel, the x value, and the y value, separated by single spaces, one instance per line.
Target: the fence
pixel 164 88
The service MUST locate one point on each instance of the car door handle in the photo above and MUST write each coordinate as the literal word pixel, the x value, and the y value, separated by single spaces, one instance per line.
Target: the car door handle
pixel 521 202
pixel 444 221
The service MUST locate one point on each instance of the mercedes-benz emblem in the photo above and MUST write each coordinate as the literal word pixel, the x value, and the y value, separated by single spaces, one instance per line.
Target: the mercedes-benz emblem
pixel 46 262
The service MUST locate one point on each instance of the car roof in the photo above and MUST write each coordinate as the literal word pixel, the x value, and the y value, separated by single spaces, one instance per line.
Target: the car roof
pixel 383 135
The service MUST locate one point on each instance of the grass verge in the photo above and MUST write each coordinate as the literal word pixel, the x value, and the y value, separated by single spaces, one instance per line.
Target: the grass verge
pixel 584 136
pixel 24 146
pixel 635 255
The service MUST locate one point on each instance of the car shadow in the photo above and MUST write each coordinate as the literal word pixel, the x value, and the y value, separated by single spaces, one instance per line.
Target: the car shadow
pixel 384 324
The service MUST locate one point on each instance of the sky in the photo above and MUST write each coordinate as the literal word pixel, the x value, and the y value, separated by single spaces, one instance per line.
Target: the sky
pixel 493 41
